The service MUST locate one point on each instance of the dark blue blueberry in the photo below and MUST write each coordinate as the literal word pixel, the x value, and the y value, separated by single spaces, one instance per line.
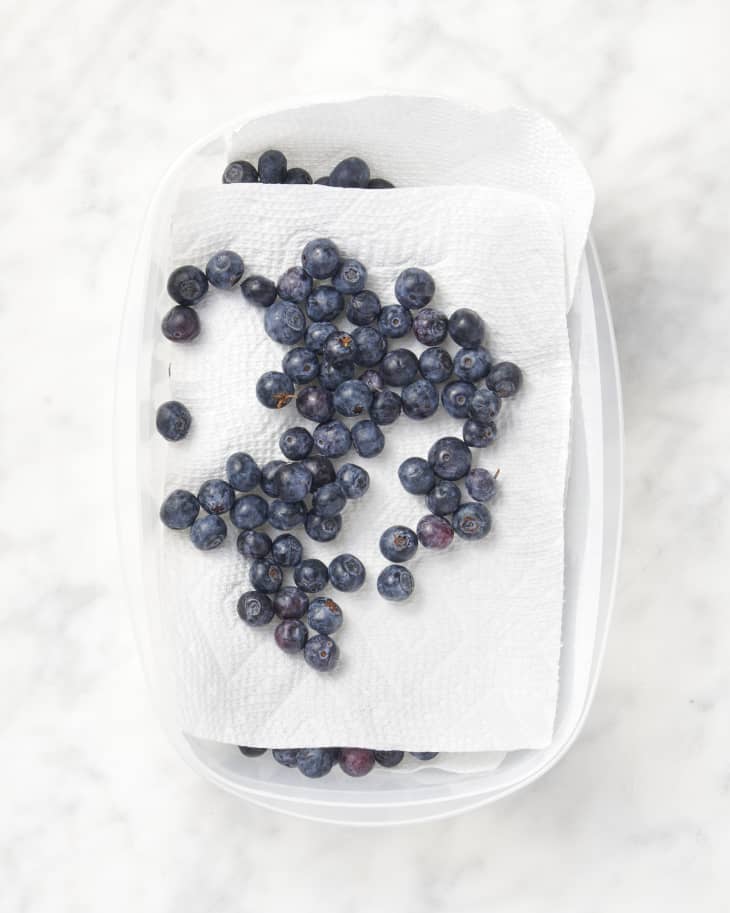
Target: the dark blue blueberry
pixel 301 365
pixel 443 498
pixel 350 172
pixel 373 379
pixel 322 470
pixel 286 550
pixel 363 308
pixel 291 635
pixel 321 653
pixel 320 258
pixel 208 532
pixel 395 583
pixel 379 184
pixel 505 378
pixel 370 346
pixel 252 543
pixel 240 173
pixel 347 573
pixel 265 575
pixel 224 269
pixel 354 480
pixel 322 529
pixel 173 420
pixel 478 434
pixel 187 285
pixel 414 288
pixel 472 521
pixel 356 762
pixel 251 752
pixel 259 290
pixel 353 397
pixel 324 615
pixel 416 476
pixel 293 482
pixel 398 543
pixel 339 348
pixel 317 335
pixel 296 443
pixel 179 509
pixel 181 324
pixel 316 404
pixel 332 439
pixel 456 397
pixel 450 458
pixel 256 609
pixel 272 167
pixel 311 575
pixel 324 181
pixel 399 367
pixel 287 757
pixel 329 500
pixel 466 328
pixel 268 478
pixel 430 326
pixel 395 321
pixel 367 438
pixel 434 532
pixel 242 471
pixel 274 390
pixel 388 758
pixel 249 511
pixel 325 303
pixel 385 408
pixel 484 405
pixel 435 365
pixel 481 484
pixel 285 323
pixel 287 514
pixel 298 176
pixel 423 755
pixel 472 364
pixel 350 277
pixel 216 496
pixel 420 399
pixel 332 376
pixel 316 762
pixel 291 602
pixel 294 285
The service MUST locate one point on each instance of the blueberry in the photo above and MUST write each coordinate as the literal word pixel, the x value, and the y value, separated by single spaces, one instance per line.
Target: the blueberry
pixel 294 285
pixel 293 482
pixel 317 334
pixel 472 521
pixel 478 434
pixel 484 405
pixel 224 269
pixel 434 532
pixel 316 762
pixel 395 583
pixel 435 364
pixel 249 511
pixel 320 258
pixel 430 326
pixel 290 635
pixel 456 397
pixel 505 379
pixel 311 575
pixel 321 653
pixel 356 762
pixel 298 176
pixel 423 755
pixel 388 758
pixel 274 390
pixel 287 514
pixel 322 470
pixel 363 308
pixel 350 277
pixel 285 323
pixel 443 498
pixel 322 529
pixel 208 532
pixel 181 324
pixel 287 757
pixel 216 496
pixel 350 172
pixel 325 303
pixel 259 290
pixel 332 439
pixel 374 380
pixel 414 288
pixel 347 573
pixel 399 367
pixel 352 397
pixel 367 438
pixel 472 364
pixel 251 752
pixel 291 602
pixel 242 471
pixel 331 376
pixel 420 399
pixel 316 404
pixel 339 348
pixel 268 477
pixel 480 484
pixel 450 458
pixel 354 480
pixel 301 365
pixel 370 346
pixel 416 476
pixel 179 509
pixel 385 408
pixel 379 184
pixel 296 443
pixel 398 543
pixel 256 609
pixel 265 575
pixel 395 321
pixel 324 615
pixel 329 500
pixel 240 173
pixel 187 285
pixel 252 543
pixel 324 181
pixel 466 328
pixel 173 420
pixel 272 167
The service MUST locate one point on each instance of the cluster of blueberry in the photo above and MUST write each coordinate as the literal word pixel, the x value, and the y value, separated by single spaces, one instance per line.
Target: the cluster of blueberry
pixel 273 168
pixel 318 762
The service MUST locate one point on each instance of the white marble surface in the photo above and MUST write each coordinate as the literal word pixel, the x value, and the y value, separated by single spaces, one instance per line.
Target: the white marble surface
pixel 97 813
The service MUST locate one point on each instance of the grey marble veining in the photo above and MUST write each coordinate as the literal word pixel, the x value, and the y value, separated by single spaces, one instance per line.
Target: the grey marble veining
pixel 97 812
